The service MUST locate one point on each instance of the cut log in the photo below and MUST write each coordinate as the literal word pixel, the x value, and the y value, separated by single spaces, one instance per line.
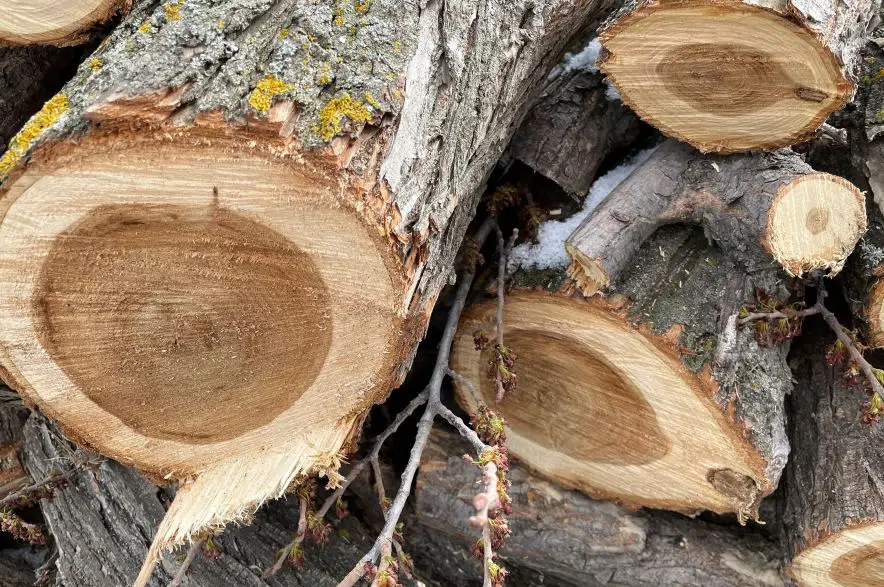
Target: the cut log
pixel 737 76
pixel 834 489
pixel 573 127
pixel 649 396
pixel 803 219
pixel 49 22
pixel 565 535
pixel 223 242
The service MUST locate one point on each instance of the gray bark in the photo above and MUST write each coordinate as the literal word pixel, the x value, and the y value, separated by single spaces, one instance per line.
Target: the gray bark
pixel 567 536
pixel 104 521
pixel 572 128
pixel 833 479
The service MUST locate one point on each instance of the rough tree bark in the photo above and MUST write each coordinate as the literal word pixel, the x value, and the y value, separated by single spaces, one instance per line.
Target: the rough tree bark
pixel 565 535
pixel 833 520
pixel 45 22
pixel 572 129
pixel 346 141
pixel 103 524
pixel 737 76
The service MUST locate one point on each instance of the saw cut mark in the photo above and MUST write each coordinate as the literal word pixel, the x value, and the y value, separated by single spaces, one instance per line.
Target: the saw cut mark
pixel 863 567
pixel 815 222
pixel 725 80
pixel 573 402
pixel 854 557
pixel 724 77
pixel 602 408
pixel 49 21
pixel 177 304
pixel 188 323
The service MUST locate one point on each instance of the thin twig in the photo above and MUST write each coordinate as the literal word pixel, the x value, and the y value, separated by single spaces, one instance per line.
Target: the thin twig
pixel 485 503
pixel 52 481
pixel 354 472
pixel 848 342
pixel 753 316
pixel 425 424
pixel 463 381
pixel 378 481
pixel 182 572
pixel 299 538
pixel 464 430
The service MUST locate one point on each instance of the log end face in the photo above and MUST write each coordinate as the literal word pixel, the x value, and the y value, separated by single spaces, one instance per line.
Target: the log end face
pixel 814 222
pixel 47 22
pixel 174 305
pixel 605 408
pixel 853 557
pixel 724 77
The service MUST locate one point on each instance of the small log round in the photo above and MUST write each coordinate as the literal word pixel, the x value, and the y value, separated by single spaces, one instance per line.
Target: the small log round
pixel 49 22
pixel 834 494
pixel 770 206
pixel 731 76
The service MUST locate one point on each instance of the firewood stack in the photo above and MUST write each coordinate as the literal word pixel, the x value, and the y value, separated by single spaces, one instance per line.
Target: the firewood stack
pixel 222 241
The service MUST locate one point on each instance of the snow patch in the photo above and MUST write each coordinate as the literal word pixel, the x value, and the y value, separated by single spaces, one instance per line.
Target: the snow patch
pixel 586 60
pixel 549 250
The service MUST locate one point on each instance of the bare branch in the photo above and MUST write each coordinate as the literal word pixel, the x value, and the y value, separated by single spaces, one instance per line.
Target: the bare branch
pixel 463 429
pixel 425 424
pixel 188 560
pixel 299 538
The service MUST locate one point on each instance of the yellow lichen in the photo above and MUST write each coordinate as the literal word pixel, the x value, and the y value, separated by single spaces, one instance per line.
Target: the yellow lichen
pixel 324 78
pixel 339 17
pixel 145 27
pixel 284 34
pixel 95 64
pixel 331 118
pixel 397 46
pixel 46 117
pixel 221 24
pixel 361 6
pixel 262 96
pixel 173 9
pixel 372 101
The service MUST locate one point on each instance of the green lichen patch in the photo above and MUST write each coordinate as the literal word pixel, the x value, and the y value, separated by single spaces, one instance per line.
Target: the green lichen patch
pixel 18 146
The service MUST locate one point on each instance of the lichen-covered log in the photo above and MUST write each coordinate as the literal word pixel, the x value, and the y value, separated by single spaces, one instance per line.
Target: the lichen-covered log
pixel 732 76
pixel 28 77
pixel 761 208
pixel 833 521
pixel 648 395
pixel 104 521
pixel 47 22
pixel 573 127
pixel 566 535
pixel 278 190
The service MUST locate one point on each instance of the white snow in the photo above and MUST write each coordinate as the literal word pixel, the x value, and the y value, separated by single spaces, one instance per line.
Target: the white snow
pixel 549 251
pixel 586 60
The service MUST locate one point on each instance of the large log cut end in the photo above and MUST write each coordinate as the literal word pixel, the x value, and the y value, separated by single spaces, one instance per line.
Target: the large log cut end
pixel 731 76
pixel 756 206
pixel 610 409
pixel 48 22
pixel 834 507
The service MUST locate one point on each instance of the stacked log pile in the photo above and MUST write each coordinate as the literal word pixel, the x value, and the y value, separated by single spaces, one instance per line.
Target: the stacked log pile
pixel 223 239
